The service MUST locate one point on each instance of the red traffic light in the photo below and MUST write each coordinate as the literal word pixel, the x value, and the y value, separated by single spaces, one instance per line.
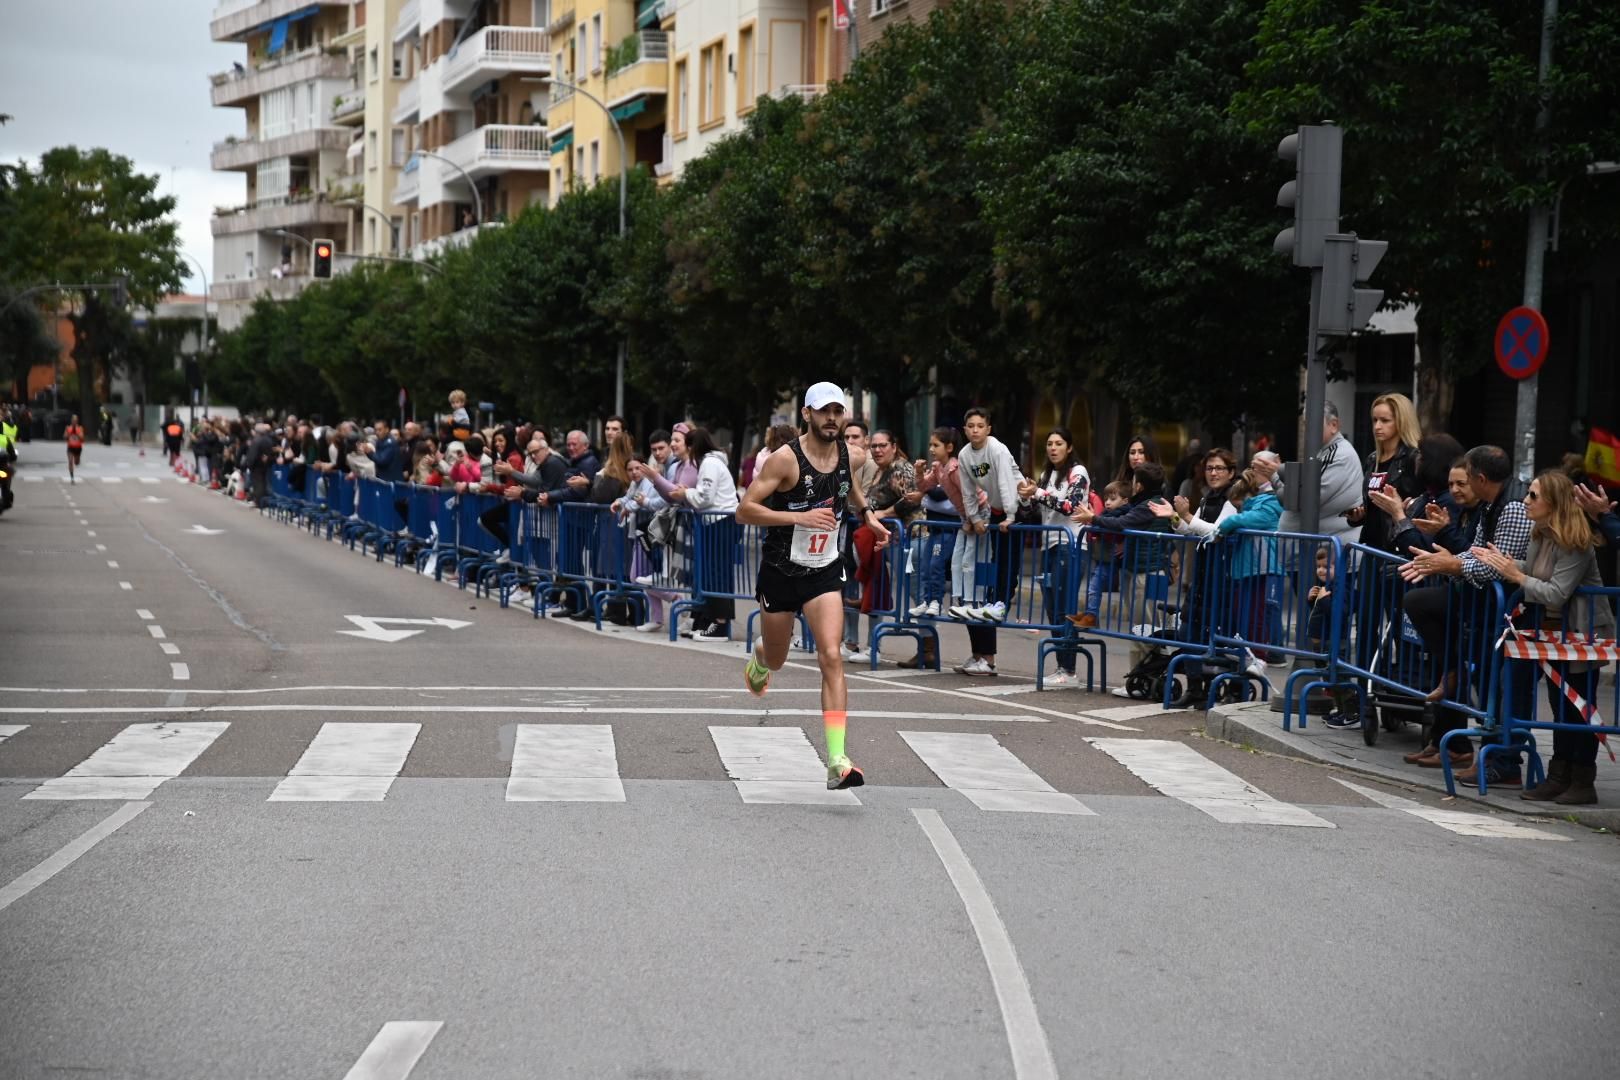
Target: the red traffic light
pixel 323 251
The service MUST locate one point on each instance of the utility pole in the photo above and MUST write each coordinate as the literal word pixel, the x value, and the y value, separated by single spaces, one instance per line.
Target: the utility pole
pixel 1535 257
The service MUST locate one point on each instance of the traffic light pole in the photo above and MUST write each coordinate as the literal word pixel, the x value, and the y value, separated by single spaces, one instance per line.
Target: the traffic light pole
pixel 1535 259
pixel 1310 446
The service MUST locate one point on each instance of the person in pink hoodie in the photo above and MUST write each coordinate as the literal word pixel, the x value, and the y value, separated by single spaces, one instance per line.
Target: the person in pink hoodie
pixel 464 470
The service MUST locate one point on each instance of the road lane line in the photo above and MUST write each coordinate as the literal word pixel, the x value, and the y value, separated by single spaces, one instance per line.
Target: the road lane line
pixel 126 586
pixel 134 762
pixel 348 763
pixel 542 710
pixel 111 565
pixel 1026 1038
pixel 8 730
pixel 395 1050
pixel 169 648
pixel 988 775
pixel 144 614
pixel 101 547
pixel 1133 712
pixel 564 763
pixel 179 672
pixel 1457 821
pixel 156 631
pixel 70 854
pixel 1177 770
pixel 150 480
pixel 775 765
pixel 112 479
pixel 90 533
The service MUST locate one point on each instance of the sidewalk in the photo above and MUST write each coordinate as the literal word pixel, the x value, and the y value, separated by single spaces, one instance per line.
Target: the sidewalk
pixel 1254 725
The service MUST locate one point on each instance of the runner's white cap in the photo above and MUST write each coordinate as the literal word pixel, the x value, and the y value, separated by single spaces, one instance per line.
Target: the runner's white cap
pixel 824 394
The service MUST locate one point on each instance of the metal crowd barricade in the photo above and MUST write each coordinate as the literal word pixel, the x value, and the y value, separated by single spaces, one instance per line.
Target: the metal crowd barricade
pixel 663 558
pixel 1530 654
pixel 886 582
pixel 1149 606
pixel 725 561
pixel 1394 669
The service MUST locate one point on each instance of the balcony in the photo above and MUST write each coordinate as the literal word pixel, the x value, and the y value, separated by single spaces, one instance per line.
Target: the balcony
pixel 499 148
pixel 409 188
pixel 409 22
pixel 806 92
pixel 239 87
pixel 246 153
pixel 562 16
pixel 495 51
pixel 244 289
pixel 427 249
pixel 234 19
pixel 278 213
pixel 639 67
pixel 350 106
pixel 409 102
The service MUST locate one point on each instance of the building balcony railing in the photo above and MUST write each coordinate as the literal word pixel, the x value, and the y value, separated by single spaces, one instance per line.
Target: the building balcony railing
pixel 409 102
pixel 427 249
pixel 641 67
pixel 277 288
pixel 237 87
pixel 495 51
pixel 409 21
pixel 233 19
pixel 497 148
pixel 246 153
pixel 349 106
pixel 277 212
pixel 804 91
pixel 409 188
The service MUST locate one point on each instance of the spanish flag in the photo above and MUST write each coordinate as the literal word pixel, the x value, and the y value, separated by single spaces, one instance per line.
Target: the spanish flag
pixel 1603 457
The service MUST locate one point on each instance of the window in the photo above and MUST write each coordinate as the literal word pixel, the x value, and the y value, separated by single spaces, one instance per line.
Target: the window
pixel 579 164
pixel 540 13
pixel 745 68
pixel 582 52
pixel 596 160
pixel 711 108
pixel 596 43
pixel 371 149
pixel 823 45
pixel 397 154
pixel 276 109
pixel 310 122
pixel 371 234
pixel 399 60
pixel 371 65
pixel 879 7
pixel 682 92
pixel 396 226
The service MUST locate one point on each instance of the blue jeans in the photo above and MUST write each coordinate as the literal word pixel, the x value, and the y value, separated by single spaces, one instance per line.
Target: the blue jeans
pixel 940 545
pixel 1104 578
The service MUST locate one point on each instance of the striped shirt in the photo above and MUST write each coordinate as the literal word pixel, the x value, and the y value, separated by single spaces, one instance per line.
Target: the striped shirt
pixel 1511 535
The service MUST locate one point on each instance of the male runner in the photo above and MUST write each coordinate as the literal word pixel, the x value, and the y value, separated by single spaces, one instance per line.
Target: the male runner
pixel 75 445
pixel 800 495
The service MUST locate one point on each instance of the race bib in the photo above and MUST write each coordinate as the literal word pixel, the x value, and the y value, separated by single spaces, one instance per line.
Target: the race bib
pixel 813 547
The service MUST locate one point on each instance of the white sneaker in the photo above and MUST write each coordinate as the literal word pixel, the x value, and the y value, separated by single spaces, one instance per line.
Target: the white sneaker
pixel 1060 678
pixel 932 611
pixel 993 612
pixel 649 628
pixel 644 579
pixel 977 666
pixel 713 632
pixel 851 654
pixel 962 611
pixel 919 610
pixel 1120 691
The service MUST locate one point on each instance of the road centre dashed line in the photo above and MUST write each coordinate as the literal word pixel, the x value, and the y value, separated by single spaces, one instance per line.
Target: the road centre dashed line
pixel 143 613
pixel 126 586
pixel 540 710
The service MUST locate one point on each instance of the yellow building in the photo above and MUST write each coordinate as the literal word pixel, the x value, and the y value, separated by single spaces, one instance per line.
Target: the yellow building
pixel 612 51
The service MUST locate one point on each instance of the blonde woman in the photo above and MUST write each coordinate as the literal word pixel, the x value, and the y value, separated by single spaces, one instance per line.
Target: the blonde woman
pixel 1561 558
pixel 1390 467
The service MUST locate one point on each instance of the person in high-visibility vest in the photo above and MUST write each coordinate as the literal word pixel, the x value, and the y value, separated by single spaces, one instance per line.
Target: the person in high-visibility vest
pixel 8 436
pixel 74 434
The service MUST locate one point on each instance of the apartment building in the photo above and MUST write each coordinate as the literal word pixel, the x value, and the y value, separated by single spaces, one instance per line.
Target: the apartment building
pixel 610 57
pixel 291 152
pixel 470 121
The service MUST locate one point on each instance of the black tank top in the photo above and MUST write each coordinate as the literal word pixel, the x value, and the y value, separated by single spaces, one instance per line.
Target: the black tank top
pixel 814 489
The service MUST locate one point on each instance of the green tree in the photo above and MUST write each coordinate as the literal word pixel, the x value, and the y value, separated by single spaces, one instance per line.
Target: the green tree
pixel 1438 101
pixel 24 341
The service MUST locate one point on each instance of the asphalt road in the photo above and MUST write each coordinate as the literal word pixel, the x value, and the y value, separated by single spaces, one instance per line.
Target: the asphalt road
pixel 236 841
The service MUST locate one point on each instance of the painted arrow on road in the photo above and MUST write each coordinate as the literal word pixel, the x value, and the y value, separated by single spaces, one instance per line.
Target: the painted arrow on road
pixel 153 499
pixel 372 630
pixel 203 530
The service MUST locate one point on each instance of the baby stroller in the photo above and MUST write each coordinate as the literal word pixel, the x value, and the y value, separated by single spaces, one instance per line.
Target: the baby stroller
pixel 1184 672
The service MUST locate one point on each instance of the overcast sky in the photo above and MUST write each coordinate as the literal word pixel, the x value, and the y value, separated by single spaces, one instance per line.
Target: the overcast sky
pixel 130 76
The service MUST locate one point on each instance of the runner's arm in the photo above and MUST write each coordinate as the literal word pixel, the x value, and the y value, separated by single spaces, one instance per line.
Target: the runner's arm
pixel 857 497
pixel 751 510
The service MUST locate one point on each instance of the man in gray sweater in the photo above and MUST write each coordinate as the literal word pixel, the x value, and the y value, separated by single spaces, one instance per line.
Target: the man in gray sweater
pixel 987 466
pixel 1343 484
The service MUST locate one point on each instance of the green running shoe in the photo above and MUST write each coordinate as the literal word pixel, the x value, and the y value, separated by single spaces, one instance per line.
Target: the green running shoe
pixel 842 773
pixel 756 676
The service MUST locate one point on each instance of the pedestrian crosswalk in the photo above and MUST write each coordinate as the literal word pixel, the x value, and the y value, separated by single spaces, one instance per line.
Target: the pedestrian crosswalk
pixel 780 765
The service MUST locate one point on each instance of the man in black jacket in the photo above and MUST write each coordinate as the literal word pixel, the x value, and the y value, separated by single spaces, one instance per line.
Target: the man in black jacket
pixel 258 463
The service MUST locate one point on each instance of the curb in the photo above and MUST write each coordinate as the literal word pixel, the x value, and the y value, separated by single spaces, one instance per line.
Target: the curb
pixel 1248 724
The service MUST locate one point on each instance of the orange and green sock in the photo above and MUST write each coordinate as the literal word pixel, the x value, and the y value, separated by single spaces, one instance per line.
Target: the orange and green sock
pixel 833 720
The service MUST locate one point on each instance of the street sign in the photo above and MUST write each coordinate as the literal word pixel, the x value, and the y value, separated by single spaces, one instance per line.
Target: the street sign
pixel 1521 343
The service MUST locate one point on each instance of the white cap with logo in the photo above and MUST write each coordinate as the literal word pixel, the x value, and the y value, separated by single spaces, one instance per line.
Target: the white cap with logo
pixel 824 394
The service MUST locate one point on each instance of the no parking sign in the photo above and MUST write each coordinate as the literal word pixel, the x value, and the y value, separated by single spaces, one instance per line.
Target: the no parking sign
pixel 1521 343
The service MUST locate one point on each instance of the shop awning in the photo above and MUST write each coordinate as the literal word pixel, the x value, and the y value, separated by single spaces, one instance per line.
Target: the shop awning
pixel 278 29
pixel 629 109
pixel 562 142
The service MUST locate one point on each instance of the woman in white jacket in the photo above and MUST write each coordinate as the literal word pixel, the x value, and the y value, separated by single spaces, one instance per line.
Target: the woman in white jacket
pixel 714 497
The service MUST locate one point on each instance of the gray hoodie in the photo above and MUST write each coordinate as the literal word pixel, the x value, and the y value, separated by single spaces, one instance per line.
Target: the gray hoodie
pixel 995 472
pixel 1343 487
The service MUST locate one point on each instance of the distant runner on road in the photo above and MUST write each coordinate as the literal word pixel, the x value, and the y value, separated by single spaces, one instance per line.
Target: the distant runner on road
pixel 800 495
pixel 75 445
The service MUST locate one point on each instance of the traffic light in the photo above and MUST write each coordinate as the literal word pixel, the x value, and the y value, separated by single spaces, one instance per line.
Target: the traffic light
pixel 323 259
pixel 1317 151
pixel 1348 261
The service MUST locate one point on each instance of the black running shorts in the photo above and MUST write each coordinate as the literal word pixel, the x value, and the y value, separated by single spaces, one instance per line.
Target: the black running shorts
pixel 777 592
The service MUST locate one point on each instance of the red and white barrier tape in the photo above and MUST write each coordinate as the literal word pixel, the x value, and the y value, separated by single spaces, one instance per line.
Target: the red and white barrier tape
pixel 1530 645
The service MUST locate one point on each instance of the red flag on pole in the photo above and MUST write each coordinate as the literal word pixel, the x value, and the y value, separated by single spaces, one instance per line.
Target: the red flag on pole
pixel 1603 457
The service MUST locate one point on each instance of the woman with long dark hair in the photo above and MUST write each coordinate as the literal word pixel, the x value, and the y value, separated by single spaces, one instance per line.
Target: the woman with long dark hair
pixel 1063 485
pixel 1141 450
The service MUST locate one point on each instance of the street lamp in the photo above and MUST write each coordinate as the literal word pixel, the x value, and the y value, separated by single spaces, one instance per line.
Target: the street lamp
pixel 387 221
pixel 624 170
pixel 205 336
pixel 478 202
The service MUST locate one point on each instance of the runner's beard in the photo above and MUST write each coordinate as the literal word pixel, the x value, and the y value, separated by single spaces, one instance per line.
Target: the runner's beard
pixel 828 435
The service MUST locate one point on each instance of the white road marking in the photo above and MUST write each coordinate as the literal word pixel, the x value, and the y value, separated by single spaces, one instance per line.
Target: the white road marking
pixel 395 1050
pixel 143 613
pixel 348 763
pixel 134 762
pixel 112 479
pixel 65 858
pixel 1457 821
pixel 661 690
pixel 541 710
pixel 169 648
pixel 126 586
pixel 964 695
pixel 156 631
pixel 8 730
pixel 564 763
pixel 1003 689
pixel 180 672
pixel 775 765
pixel 153 480
pixel 101 547
pixel 1177 770
pixel 112 565
pixel 1026 1038
pixel 1132 712
pixel 90 532
pixel 372 630
pixel 203 530
pixel 988 774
